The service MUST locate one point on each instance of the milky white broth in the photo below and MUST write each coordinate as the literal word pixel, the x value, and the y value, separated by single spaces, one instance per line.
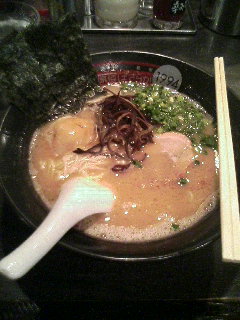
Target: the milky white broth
pixel 150 202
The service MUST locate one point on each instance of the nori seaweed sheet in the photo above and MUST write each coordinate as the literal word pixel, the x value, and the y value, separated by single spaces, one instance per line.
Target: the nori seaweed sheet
pixel 46 70
pixel 21 78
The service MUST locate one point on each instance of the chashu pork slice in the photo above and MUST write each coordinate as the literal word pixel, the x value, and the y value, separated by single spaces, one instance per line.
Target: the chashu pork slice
pixel 176 146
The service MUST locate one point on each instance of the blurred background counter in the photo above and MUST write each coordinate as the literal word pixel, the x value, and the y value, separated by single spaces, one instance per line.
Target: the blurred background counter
pixel 198 49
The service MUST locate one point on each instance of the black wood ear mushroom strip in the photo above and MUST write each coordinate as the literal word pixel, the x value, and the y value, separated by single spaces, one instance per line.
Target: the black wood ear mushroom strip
pixel 121 126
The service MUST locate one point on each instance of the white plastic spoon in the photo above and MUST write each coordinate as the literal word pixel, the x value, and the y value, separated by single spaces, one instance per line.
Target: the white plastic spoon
pixel 79 198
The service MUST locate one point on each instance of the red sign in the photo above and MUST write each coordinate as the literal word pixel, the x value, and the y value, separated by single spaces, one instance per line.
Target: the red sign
pixel 120 76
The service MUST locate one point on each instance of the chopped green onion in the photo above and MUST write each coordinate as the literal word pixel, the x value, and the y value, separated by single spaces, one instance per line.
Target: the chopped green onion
pixel 209 141
pixel 137 164
pixel 173 112
pixel 197 162
pixel 183 181
pixel 205 152
pixel 175 226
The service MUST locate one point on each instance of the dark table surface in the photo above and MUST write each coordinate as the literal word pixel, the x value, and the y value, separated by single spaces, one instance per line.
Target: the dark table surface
pixel 63 275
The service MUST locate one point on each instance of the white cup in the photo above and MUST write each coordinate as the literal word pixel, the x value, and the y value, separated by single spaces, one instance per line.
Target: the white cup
pixel 116 13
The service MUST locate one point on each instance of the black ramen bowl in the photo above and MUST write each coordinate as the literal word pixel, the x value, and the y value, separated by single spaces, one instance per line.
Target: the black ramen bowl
pixel 16 132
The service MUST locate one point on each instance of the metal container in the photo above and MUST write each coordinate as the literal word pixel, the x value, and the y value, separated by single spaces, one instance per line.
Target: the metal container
pixel 222 16
pixel 146 7
pixel 58 8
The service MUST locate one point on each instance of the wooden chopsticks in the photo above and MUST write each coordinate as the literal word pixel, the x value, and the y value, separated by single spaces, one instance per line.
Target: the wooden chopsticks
pixel 230 220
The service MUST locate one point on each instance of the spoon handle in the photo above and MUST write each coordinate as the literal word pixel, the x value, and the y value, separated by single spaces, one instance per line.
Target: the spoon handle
pixel 23 258
pixel 78 199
